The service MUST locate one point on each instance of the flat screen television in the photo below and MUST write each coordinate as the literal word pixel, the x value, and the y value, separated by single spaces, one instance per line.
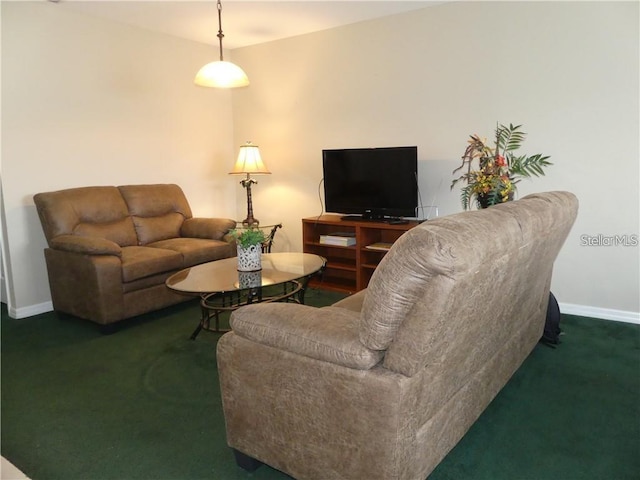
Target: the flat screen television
pixel 371 183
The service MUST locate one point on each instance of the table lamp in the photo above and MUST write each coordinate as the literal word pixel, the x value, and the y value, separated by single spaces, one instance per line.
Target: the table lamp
pixel 249 162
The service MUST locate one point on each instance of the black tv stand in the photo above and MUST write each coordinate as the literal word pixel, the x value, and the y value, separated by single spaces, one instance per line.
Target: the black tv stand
pixel 365 218
pixel 354 218
pixel 397 221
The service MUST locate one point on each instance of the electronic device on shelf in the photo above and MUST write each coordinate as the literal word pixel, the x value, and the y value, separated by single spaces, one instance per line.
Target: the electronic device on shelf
pixel 376 184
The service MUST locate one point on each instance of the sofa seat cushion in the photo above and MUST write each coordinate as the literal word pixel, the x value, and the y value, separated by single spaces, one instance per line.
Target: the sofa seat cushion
pixel 140 262
pixel 352 302
pixel 146 282
pixel 196 250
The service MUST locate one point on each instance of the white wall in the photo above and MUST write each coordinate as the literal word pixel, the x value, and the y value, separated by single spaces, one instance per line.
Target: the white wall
pixel 87 101
pixel 568 71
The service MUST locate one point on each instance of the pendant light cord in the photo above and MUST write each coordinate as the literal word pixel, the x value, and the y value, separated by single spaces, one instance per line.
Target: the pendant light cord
pixel 220 34
pixel 220 74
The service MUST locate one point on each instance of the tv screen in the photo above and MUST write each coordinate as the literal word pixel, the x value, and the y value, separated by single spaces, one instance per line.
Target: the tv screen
pixel 371 182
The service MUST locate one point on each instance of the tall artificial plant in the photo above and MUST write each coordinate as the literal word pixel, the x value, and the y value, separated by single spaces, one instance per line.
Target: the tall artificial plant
pixel 499 168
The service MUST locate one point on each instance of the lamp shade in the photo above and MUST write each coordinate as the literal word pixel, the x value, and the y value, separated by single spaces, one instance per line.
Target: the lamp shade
pixel 221 74
pixel 249 161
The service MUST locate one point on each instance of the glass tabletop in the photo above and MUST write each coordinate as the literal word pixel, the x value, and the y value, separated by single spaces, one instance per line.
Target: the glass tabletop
pixel 223 275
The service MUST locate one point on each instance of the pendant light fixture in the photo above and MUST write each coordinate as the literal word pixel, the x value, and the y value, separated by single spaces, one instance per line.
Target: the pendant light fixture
pixel 221 74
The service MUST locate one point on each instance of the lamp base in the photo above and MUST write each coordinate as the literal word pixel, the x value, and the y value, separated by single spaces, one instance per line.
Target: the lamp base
pixel 250 221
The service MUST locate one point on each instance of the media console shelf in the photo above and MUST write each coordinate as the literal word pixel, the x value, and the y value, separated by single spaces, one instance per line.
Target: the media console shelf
pixel 349 268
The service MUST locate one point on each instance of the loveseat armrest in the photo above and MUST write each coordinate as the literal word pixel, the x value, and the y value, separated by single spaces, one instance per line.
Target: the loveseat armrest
pixel 86 245
pixel 328 334
pixel 210 228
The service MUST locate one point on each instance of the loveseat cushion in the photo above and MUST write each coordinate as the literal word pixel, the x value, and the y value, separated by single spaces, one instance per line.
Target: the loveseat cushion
pixel 158 211
pixel 196 250
pixel 153 229
pixel 139 262
pixel 86 211
pixel 118 231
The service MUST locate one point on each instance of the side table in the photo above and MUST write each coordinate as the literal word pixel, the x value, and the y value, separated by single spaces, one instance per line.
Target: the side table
pixel 271 229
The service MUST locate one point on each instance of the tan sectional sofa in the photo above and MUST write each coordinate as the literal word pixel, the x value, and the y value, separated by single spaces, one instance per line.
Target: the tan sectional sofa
pixel 110 249
pixel 382 385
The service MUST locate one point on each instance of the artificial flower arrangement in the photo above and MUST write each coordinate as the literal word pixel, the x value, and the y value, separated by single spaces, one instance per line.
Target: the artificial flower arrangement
pixel 247 237
pixel 499 168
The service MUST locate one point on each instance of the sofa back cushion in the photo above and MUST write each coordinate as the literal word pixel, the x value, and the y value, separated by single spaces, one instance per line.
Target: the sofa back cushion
pixel 452 287
pixel 158 211
pixel 87 211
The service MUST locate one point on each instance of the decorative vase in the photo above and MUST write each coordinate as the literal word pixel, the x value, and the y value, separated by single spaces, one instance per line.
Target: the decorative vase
pixel 249 258
pixel 483 200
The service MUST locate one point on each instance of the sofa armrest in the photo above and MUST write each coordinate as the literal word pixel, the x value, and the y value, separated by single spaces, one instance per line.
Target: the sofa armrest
pixel 211 228
pixel 86 245
pixel 328 334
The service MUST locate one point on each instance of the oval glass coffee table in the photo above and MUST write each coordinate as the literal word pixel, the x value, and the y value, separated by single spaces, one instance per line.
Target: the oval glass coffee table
pixel 222 288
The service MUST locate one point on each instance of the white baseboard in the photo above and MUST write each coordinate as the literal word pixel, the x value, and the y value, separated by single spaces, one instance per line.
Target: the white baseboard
pixel 30 310
pixel 602 313
pixel 568 308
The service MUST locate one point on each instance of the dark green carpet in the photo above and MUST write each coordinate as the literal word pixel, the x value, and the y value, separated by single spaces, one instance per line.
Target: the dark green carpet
pixel 144 403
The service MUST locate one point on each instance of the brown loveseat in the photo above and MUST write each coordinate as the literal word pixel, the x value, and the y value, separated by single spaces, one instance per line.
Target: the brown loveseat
pixel 383 384
pixel 112 248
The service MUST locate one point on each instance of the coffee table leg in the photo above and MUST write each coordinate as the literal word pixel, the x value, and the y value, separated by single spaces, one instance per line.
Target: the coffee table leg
pixel 204 319
pixel 209 311
pixel 196 332
pixel 305 283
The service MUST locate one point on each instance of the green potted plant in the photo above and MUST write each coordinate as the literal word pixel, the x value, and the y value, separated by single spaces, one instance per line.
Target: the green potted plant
pixel 249 244
pixel 499 168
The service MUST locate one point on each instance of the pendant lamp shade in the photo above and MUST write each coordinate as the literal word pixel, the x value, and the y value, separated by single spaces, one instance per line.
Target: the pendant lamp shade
pixel 221 74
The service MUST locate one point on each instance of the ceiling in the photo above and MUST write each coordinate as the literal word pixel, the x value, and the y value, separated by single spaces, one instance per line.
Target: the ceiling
pixel 243 22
